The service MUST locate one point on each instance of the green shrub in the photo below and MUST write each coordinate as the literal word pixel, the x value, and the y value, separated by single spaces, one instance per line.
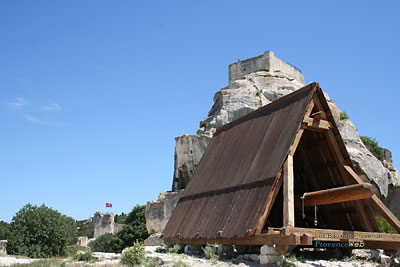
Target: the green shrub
pixel 285 262
pixel 179 263
pixel 129 234
pixel 133 255
pixel 152 262
pixel 384 226
pixel 85 228
pixel 84 256
pixel 210 252
pixel 40 232
pixel 135 230
pixel 161 250
pixel 44 263
pixel 137 215
pixel 174 248
pixel 372 145
pixel 104 243
pixel 343 115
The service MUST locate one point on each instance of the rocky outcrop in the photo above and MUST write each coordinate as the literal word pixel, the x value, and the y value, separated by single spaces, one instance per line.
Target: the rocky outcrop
pixel 245 95
pixel 367 165
pixel 188 152
pixel 159 211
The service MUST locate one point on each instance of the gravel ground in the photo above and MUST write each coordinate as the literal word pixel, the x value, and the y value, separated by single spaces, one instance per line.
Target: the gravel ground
pixel 112 259
pixel 11 260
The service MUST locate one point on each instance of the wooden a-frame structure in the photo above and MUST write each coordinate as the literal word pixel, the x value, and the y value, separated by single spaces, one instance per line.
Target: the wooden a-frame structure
pixel 281 176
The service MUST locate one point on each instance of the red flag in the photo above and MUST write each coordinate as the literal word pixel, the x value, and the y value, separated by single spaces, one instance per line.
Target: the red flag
pixel 108 205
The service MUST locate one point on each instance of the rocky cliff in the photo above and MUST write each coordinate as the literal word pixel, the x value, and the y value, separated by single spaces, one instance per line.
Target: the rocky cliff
pixel 257 82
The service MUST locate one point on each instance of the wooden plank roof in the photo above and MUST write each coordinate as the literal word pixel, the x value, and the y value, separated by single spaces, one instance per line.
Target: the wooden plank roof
pixel 231 185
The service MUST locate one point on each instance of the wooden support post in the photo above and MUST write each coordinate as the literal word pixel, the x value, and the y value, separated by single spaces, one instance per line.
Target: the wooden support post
pixel 385 212
pixel 336 195
pixel 377 203
pixel 288 192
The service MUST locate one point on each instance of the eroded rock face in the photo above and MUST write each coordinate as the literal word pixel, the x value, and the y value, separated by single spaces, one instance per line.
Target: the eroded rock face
pixel 188 152
pixel 367 164
pixel 243 96
pixel 159 211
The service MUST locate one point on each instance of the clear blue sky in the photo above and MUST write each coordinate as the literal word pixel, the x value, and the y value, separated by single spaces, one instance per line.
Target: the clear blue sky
pixel 93 93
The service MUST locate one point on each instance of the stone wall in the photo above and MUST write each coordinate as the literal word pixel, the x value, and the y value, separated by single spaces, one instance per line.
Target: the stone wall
pixel 188 152
pixel 159 211
pixel 265 62
pixel 104 223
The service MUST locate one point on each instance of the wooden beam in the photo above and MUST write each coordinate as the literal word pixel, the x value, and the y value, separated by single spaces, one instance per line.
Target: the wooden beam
pixel 269 203
pixel 288 192
pixel 318 105
pixel 340 235
pixel 319 115
pixel 315 124
pixel 353 174
pixel 385 212
pixel 300 131
pixel 301 236
pixel 336 195
pixel 377 203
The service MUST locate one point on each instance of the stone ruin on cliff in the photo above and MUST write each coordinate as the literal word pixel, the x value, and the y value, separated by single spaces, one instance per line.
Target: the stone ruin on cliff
pixel 253 83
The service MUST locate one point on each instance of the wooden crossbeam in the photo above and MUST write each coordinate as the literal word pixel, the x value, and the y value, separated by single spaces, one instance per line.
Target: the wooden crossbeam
pixel 385 212
pixel 301 236
pixel 336 195
pixel 317 124
pixel 319 115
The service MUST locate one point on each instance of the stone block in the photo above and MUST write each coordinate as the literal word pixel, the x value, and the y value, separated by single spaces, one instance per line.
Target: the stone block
pixel 267 250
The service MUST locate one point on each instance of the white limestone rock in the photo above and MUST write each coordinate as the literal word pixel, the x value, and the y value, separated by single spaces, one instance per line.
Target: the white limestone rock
pixel 159 211
pixel 188 151
pixel 368 166
pixel 243 96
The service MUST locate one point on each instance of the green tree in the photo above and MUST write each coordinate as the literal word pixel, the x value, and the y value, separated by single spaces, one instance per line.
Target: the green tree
pixel 137 215
pixel 40 232
pixel 104 243
pixel 4 230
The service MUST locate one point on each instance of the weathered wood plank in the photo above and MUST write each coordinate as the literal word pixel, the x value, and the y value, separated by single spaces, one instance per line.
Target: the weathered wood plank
pixel 336 195
pixel 288 192
pixel 385 212
pixel 319 115
pixel 300 132
pixel 377 203
pixel 270 202
pixel 316 124
pixel 302 236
